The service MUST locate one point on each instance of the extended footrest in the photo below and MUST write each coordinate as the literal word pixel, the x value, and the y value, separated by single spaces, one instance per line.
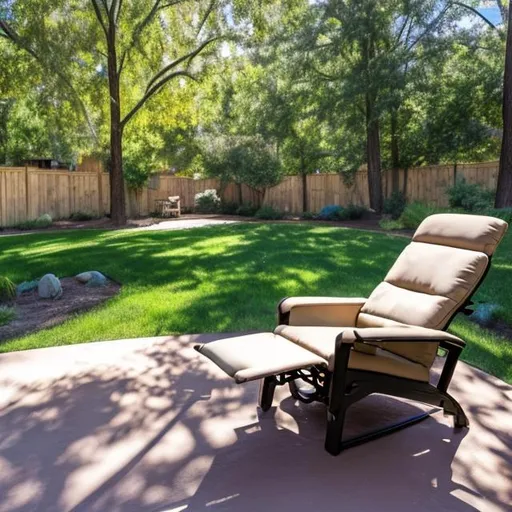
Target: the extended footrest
pixel 256 356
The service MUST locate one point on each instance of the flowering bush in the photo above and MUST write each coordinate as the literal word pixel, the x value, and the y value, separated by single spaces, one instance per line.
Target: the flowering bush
pixel 207 201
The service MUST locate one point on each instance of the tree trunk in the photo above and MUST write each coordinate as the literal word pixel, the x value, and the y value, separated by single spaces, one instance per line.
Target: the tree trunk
pixel 117 195
pixel 504 188
pixel 373 157
pixel 395 155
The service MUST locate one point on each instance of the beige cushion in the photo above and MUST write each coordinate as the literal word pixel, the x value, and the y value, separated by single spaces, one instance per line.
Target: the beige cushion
pixel 473 232
pixel 322 341
pixel 255 356
pixel 324 311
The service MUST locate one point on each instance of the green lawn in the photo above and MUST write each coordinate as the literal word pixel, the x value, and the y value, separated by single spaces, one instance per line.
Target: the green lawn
pixel 228 278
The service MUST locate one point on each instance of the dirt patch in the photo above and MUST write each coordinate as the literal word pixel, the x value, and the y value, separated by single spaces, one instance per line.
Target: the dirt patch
pixel 33 313
pixel 498 327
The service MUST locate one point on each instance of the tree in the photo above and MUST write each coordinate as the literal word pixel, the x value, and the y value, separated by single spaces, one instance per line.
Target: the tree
pixel 504 187
pixel 121 34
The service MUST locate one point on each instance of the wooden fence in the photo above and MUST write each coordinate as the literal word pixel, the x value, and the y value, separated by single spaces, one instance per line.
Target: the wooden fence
pixel 27 193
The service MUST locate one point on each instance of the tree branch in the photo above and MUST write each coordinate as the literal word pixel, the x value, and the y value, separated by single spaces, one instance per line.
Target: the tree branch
pixel 189 56
pixel 152 91
pixel 476 13
pixel 97 11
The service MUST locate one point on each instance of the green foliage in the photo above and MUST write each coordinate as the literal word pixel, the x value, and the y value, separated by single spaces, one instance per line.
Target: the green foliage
pixel 6 315
pixel 228 208
pixel 81 216
pixel 207 201
pixel 352 212
pixel 247 210
pixel 394 205
pixel 44 221
pixel 267 212
pixel 308 215
pixel 7 290
pixel 247 160
pixel 470 197
pixel 416 212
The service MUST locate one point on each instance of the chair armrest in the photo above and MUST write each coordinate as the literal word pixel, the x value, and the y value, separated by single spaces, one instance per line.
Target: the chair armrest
pixel 405 334
pixel 320 311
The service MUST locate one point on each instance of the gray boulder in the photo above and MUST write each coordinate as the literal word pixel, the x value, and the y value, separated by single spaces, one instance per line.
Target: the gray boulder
pixel 49 287
pixel 97 279
pixel 92 278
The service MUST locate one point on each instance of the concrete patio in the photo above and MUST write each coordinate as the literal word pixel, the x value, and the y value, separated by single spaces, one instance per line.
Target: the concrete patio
pixel 148 425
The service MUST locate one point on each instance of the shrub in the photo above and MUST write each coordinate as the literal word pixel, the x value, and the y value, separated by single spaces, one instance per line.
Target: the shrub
pixel 415 213
pixel 469 196
pixel 308 215
pixel 331 212
pixel 7 290
pixel 247 210
pixel 6 314
pixel 44 221
pixel 81 216
pixel 352 212
pixel 207 201
pixel 394 205
pixel 228 208
pixel 269 213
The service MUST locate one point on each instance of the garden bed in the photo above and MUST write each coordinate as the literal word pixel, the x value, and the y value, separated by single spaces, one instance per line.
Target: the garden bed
pixel 34 313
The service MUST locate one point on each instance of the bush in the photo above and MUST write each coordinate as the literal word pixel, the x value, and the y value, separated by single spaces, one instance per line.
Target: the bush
pixel 207 201
pixel 394 205
pixel 44 221
pixel 6 314
pixel 7 290
pixel 331 212
pixel 469 196
pixel 308 216
pixel 81 216
pixel 352 212
pixel 247 210
pixel 269 213
pixel 415 213
pixel 228 208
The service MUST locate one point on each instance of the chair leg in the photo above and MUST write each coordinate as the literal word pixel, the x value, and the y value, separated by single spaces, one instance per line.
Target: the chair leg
pixel 335 422
pixel 453 408
pixel 267 388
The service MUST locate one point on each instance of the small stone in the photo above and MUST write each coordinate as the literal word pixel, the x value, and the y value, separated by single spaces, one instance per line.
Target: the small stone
pixel 484 313
pixel 49 287
pixel 26 287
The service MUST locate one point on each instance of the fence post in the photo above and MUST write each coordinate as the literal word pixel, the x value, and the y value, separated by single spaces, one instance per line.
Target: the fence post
pixel 101 213
pixel 27 195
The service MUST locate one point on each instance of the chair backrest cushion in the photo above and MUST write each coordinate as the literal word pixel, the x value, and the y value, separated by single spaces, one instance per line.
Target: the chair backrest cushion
pixel 433 277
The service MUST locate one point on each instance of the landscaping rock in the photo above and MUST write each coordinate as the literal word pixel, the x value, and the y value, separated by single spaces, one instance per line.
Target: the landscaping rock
pixel 49 287
pixel 84 277
pixel 26 287
pixel 484 313
pixel 97 279
pixel 92 278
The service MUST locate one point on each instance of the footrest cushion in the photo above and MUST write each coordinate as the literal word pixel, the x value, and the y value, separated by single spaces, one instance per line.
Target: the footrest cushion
pixel 255 356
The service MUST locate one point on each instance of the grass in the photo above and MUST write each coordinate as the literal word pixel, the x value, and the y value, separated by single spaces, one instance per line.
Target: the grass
pixel 228 278
pixel 6 314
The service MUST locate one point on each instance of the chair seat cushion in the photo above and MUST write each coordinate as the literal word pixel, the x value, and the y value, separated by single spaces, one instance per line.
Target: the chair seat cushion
pixel 322 340
pixel 255 356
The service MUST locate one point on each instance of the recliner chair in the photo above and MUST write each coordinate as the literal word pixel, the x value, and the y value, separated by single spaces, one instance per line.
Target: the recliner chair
pixel 340 350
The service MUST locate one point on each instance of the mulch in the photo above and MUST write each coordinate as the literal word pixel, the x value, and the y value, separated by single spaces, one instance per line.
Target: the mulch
pixel 34 313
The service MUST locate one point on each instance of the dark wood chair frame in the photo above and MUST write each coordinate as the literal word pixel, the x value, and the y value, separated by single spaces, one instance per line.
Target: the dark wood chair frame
pixel 342 387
